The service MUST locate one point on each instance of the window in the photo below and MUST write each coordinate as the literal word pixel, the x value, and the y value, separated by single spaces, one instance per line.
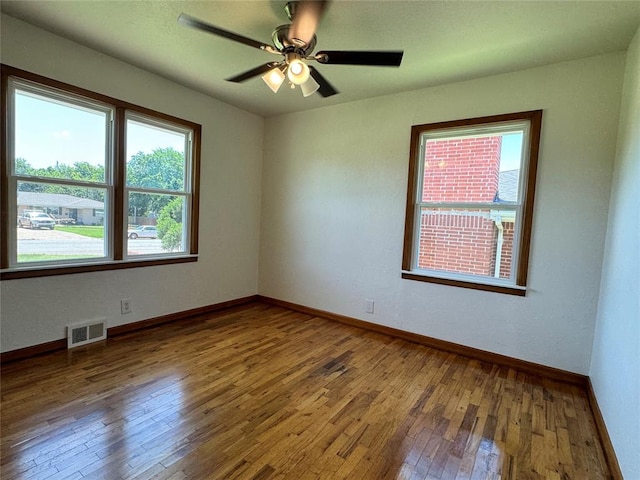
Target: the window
pixel 81 171
pixel 157 184
pixel 470 202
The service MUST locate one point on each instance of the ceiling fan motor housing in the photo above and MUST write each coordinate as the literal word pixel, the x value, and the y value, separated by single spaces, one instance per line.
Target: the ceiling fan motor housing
pixel 290 10
pixel 281 41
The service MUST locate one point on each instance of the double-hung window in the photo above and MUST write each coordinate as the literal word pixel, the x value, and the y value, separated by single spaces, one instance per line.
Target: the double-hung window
pixel 470 202
pixel 91 183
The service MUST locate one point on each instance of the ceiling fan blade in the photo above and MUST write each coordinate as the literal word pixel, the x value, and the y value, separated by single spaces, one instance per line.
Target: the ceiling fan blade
pixel 375 59
pixel 306 17
pixel 254 72
pixel 190 21
pixel 326 89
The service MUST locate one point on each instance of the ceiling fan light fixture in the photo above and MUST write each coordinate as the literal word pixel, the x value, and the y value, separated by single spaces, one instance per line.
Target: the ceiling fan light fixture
pixel 298 72
pixel 296 42
pixel 309 87
pixel 274 79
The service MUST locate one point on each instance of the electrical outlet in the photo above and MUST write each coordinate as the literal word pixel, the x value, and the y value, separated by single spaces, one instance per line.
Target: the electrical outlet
pixel 369 306
pixel 125 306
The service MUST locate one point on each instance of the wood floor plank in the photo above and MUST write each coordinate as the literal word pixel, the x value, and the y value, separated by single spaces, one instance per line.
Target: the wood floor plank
pixel 260 392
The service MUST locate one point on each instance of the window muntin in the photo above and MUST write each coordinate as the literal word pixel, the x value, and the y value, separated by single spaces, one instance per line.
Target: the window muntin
pixel 470 201
pixel 79 122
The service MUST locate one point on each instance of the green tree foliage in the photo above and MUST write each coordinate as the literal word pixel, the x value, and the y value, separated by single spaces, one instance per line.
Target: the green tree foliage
pixel 170 225
pixel 78 171
pixel 162 169
pixel 86 171
pixel 23 167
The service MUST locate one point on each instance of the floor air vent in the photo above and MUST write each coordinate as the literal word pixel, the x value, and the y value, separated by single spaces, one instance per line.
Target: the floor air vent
pixel 87 332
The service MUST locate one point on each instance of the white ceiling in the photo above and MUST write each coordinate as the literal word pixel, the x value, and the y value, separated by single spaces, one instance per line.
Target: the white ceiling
pixel 443 41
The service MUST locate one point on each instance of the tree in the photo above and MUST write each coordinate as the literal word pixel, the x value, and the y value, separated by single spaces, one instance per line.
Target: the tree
pixel 23 167
pixel 78 171
pixel 86 171
pixel 170 225
pixel 163 169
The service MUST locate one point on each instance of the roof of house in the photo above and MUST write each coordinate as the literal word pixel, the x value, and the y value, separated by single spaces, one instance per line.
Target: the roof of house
pixel 508 186
pixel 36 199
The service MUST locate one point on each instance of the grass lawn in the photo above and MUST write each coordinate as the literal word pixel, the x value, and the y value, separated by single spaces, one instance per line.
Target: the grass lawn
pixel 84 230
pixel 45 257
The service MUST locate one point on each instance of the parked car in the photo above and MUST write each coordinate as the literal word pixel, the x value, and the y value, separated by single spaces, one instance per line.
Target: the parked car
pixel 63 220
pixel 36 220
pixel 143 231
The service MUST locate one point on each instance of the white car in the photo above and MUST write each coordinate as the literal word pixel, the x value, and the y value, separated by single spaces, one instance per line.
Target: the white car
pixel 143 231
pixel 36 220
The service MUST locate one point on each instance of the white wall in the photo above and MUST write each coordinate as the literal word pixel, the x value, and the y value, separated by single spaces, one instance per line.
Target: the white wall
pixel 615 363
pixel 334 192
pixel 36 310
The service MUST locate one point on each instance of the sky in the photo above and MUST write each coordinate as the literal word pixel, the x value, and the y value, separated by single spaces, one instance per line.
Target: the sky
pixel 511 151
pixel 49 132
pixel 78 135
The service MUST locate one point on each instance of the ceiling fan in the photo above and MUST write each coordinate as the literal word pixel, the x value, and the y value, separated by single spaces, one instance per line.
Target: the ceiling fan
pixel 295 42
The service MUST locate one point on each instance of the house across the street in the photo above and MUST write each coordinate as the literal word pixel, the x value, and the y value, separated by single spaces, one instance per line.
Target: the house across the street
pixel 82 210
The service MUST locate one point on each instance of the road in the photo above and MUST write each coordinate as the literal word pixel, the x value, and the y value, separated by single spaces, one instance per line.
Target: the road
pixel 64 243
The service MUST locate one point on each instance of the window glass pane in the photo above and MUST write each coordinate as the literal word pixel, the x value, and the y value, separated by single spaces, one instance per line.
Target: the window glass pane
pixel 467 241
pixel 59 140
pixel 155 224
pixel 155 157
pixel 58 222
pixel 478 169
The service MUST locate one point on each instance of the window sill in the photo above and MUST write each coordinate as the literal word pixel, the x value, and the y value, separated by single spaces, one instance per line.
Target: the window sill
pixel 40 271
pixel 487 287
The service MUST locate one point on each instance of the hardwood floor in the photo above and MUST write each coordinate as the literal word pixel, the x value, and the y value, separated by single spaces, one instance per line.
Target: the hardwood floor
pixel 261 392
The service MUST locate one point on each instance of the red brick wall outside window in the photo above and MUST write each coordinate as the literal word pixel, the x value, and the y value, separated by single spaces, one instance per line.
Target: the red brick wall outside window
pixel 463 240
pixel 462 170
